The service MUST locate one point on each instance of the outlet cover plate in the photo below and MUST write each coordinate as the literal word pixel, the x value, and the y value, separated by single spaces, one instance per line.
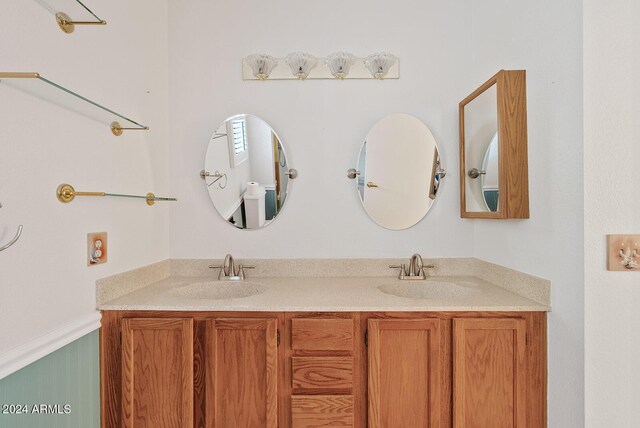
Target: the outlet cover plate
pixel 96 248
pixel 626 243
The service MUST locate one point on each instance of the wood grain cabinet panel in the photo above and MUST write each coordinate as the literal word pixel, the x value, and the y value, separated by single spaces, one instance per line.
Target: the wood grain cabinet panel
pixel 319 411
pixel 489 377
pixel 157 373
pixel 404 373
pixel 325 374
pixel 241 373
pixel 320 334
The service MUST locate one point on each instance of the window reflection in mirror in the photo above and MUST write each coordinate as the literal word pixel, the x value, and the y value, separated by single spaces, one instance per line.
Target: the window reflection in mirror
pixel 400 172
pixel 245 169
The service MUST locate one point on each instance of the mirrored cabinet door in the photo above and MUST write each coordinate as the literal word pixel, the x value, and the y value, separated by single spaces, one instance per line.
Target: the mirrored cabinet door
pixel 493 149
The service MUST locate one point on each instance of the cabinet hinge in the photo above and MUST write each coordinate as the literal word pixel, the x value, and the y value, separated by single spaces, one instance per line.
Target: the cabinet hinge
pixel 366 338
pixel 526 339
pixel 278 337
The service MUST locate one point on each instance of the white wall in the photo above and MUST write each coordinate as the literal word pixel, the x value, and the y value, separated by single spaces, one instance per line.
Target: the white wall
pixel 446 50
pixel 611 160
pixel 44 280
pixel 321 123
pixel 544 37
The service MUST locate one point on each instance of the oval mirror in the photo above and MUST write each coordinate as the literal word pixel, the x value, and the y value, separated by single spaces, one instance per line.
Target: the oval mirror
pixel 246 172
pixel 489 175
pixel 399 171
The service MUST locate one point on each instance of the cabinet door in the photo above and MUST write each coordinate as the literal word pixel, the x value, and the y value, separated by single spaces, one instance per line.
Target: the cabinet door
pixel 405 377
pixel 241 373
pixel 157 373
pixel 489 373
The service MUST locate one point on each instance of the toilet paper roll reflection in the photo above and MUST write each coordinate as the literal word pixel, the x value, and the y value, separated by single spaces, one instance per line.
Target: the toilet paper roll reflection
pixel 253 188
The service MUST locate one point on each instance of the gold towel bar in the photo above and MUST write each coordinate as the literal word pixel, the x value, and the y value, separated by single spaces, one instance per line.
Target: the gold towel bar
pixel 66 193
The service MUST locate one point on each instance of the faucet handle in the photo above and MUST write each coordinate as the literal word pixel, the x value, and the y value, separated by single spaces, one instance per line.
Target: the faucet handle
pixel 218 267
pixel 403 270
pixel 241 269
pixel 429 266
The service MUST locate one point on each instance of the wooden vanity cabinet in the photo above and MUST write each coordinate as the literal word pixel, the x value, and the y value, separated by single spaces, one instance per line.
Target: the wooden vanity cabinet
pixel 157 372
pixel 489 372
pixel 326 375
pixel 241 373
pixel 309 370
pixel 406 379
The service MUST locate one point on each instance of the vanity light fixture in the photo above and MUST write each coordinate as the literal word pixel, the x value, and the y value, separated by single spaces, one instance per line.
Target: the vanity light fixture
pixel 379 64
pixel 261 65
pixel 301 64
pixel 339 63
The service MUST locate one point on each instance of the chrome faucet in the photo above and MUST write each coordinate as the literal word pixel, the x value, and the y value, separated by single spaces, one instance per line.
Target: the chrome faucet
pixel 416 268
pixel 228 270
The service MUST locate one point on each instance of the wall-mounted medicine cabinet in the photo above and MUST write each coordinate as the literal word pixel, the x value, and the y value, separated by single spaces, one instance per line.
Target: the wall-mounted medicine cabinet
pixel 494 181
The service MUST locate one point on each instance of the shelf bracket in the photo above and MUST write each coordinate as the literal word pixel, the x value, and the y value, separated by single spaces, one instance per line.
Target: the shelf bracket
pixel 117 130
pixel 67 25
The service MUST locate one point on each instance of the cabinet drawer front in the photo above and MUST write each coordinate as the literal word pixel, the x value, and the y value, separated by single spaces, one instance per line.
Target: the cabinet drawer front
pixel 322 334
pixel 322 374
pixel 317 411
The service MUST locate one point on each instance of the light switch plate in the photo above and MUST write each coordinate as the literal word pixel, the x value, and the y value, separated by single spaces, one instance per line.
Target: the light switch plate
pixel 629 245
pixel 96 248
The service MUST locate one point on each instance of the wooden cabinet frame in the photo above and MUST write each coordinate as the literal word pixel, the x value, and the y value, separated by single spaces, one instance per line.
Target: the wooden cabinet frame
pixel 535 329
pixel 513 186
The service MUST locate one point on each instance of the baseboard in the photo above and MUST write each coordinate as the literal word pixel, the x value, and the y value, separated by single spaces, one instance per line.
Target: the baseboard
pixel 23 355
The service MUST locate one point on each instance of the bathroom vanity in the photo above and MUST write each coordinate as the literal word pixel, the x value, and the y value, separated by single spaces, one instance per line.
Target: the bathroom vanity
pixel 358 351
pixel 275 369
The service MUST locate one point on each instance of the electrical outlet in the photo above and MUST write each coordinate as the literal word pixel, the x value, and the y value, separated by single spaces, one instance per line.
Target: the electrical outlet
pixel 96 248
pixel 623 252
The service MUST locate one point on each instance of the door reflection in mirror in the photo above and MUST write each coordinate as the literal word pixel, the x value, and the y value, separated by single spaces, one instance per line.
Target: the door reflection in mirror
pixel 252 158
pixel 400 172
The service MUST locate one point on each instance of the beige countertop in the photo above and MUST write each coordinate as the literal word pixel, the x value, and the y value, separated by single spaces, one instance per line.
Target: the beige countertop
pixel 322 293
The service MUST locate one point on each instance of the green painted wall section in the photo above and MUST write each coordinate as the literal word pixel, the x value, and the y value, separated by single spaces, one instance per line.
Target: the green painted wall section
pixel 70 376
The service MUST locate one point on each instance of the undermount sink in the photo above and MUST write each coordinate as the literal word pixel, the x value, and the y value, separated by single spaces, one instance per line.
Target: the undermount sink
pixel 219 290
pixel 428 289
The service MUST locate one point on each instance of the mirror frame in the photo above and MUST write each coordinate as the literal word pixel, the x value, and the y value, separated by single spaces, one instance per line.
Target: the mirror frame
pixel 513 170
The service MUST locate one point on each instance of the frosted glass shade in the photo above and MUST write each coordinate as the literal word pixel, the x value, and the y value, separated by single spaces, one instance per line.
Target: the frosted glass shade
pixel 261 65
pixel 301 64
pixel 379 64
pixel 339 63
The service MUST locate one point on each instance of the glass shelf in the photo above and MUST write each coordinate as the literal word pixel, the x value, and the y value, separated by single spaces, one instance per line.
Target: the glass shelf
pixel 80 14
pixel 39 87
